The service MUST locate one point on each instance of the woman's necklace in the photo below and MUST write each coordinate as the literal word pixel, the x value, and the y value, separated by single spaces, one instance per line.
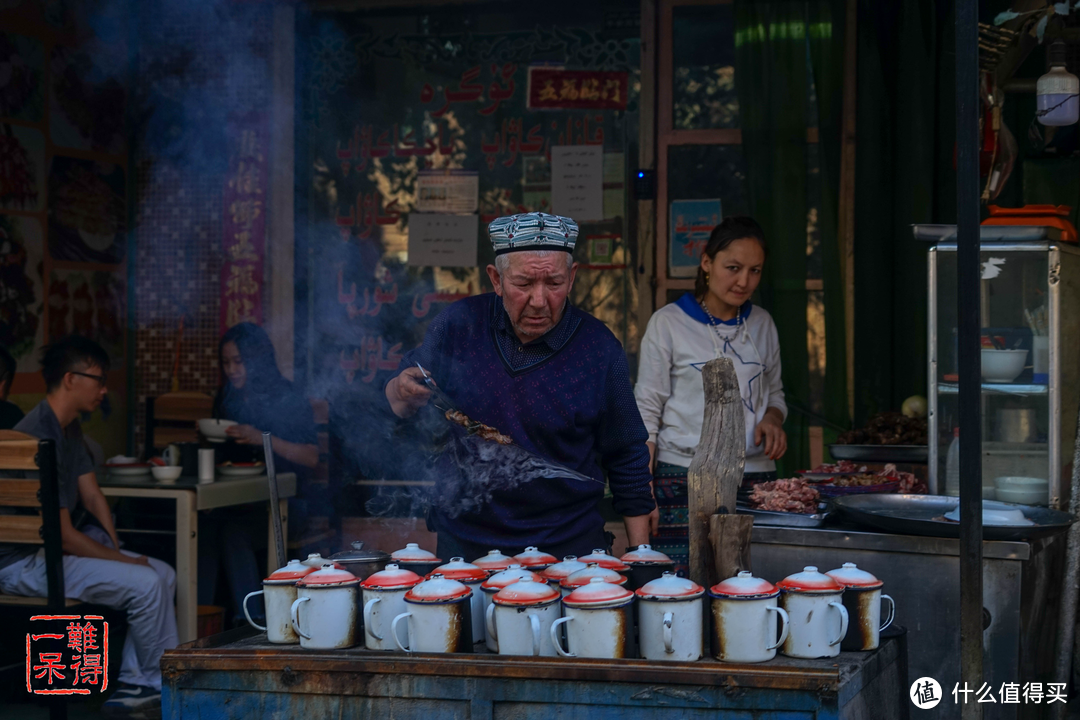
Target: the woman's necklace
pixel 715 324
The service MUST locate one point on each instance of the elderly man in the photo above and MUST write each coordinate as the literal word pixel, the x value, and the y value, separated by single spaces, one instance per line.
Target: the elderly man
pixel 554 379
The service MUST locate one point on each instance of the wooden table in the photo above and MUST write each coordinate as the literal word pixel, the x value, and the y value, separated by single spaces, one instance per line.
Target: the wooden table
pixel 239 675
pixel 190 496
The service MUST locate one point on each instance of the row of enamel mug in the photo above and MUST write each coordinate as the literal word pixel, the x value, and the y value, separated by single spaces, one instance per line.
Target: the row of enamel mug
pixel 518 613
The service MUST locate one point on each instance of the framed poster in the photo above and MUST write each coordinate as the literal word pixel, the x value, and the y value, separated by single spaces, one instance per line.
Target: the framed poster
pixel 691 223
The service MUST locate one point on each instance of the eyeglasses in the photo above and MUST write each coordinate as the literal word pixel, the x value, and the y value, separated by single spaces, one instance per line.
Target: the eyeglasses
pixel 100 378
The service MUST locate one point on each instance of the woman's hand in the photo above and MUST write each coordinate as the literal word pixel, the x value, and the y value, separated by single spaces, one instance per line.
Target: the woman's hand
pixel 770 431
pixel 244 434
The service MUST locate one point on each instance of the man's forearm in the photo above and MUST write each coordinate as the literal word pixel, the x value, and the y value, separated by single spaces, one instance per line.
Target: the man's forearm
pixel 81 545
pixel 98 506
pixel 637 530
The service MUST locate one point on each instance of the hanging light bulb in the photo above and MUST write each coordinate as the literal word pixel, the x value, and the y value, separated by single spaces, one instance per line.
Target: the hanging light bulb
pixel 1057 94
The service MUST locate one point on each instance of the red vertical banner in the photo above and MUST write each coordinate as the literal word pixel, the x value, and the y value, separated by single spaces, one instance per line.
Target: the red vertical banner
pixel 244 240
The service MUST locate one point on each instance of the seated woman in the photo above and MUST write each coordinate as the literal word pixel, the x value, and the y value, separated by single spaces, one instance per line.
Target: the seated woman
pixel 256 395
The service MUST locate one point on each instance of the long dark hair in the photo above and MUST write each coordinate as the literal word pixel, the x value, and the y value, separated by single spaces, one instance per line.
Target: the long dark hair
pixel 736 227
pixel 263 377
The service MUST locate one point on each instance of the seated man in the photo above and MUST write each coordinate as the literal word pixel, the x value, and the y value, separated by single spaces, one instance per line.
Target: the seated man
pixel 95 569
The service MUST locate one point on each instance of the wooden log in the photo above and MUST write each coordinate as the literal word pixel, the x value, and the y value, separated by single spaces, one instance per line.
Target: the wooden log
pixel 729 537
pixel 717 468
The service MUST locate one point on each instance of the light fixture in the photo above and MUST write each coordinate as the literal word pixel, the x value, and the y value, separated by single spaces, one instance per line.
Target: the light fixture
pixel 1057 94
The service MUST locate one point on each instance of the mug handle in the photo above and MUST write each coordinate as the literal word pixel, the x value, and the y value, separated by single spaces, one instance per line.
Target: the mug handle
pixel 489 620
pixel 257 626
pixel 892 612
pixel 535 623
pixel 294 612
pixel 394 632
pixel 843 622
pixel 367 618
pixel 669 646
pixel 555 637
pixel 783 627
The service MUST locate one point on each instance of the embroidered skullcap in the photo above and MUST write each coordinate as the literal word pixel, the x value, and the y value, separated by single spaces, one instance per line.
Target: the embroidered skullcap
pixel 533 231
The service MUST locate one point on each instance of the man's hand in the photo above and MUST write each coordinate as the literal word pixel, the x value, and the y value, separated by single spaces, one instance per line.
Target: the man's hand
pixel 140 560
pixel 771 431
pixel 407 392
pixel 244 434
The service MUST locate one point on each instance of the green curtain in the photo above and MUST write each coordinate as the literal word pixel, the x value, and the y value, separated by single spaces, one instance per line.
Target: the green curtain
pixel 774 44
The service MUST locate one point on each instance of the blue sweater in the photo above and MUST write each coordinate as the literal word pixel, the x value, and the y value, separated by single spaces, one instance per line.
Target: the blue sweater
pixel 565 396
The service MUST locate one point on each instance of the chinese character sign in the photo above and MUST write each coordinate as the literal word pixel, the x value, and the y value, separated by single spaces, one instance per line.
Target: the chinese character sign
pixel 558 89
pixel 244 223
pixel 67 655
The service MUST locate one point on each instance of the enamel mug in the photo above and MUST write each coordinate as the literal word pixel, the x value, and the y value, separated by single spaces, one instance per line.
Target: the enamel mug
pixel 415 558
pixel 582 577
pixel 383 597
pixel 670 618
pixel 315 561
pixel 558 572
pixel 597 617
pixel 495 583
pixel 324 614
pixel 646 565
pixel 862 599
pixel 817 619
pixel 535 560
pixel 473 576
pixel 494 562
pixel 279 593
pixel 608 562
pixel 744 615
pixel 520 618
pixel 438 618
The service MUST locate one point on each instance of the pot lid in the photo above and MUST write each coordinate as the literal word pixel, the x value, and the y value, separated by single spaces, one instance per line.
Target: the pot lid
pixel 670 586
pixel 328 576
pixel 438 589
pixel 604 560
pixel 851 576
pixel 582 577
pixel 494 561
pixel 598 593
pixel 645 555
pixel 315 561
pixel 289 574
pixel 458 569
pixel 413 553
pixel 809 580
pixel 744 585
pixel 526 592
pixel 534 558
pixel 359 554
pixel 561 570
pixel 509 576
pixel 392 578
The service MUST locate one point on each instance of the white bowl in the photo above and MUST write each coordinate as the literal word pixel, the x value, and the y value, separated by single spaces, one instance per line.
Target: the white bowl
pixel 167 473
pixel 1023 497
pixel 1016 482
pixel 989 492
pixel 995 513
pixel 1002 366
pixel 214 428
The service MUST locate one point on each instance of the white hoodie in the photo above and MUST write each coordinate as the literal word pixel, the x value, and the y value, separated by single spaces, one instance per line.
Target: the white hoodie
pixel 670 394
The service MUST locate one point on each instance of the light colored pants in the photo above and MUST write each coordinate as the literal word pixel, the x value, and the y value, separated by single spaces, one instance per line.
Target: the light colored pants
pixel 145 593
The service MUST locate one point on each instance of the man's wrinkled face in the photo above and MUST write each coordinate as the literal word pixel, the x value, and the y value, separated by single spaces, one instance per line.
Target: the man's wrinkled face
pixel 534 291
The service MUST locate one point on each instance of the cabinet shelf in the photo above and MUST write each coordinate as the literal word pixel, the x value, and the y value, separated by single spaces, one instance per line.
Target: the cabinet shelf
pixel 997 389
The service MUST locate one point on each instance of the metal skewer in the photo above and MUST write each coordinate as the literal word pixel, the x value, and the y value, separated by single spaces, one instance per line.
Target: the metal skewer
pixel 275 510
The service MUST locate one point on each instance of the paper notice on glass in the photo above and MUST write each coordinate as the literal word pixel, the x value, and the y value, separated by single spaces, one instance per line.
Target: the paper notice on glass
pixel 439 240
pixel 440 192
pixel 577 181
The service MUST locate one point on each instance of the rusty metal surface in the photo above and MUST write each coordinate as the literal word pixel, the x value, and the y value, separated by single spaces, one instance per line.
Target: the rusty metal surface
pixel 252 653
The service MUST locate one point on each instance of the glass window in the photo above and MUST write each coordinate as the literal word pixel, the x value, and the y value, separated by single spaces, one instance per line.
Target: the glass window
pixel 703 61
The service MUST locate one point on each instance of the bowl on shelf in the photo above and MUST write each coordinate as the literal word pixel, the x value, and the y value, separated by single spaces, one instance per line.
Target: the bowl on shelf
pixel 214 428
pixel 1023 490
pixel 1002 366
pixel 166 473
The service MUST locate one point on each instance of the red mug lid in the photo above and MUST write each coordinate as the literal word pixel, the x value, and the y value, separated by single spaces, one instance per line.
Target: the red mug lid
pixel 670 586
pixel 849 575
pixel 458 569
pixel 393 577
pixel 509 576
pixel 604 560
pixel 526 592
pixel 413 553
pixel 493 561
pixel 329 575
pixel 532 557
pixel 437 589
pixel 809 581
pixel 289 574
pixel 645 555
pixel 744 585
pixel 582 577
pixel 561 570
pixel 597 592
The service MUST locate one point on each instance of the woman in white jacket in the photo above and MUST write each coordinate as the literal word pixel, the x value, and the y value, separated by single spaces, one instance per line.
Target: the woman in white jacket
pixel 716 320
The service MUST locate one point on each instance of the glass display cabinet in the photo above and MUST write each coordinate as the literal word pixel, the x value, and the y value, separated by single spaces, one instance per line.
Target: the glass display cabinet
pixel 1030 307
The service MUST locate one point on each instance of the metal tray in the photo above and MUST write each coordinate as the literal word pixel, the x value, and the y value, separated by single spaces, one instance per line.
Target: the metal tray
pixel 880 453
pixel 783 519
pixel 915 515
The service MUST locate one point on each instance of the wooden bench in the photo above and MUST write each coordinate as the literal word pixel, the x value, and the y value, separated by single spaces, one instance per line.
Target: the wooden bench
pixel 21 452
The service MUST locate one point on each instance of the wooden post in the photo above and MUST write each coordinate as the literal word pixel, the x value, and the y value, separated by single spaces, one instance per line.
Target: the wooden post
pixel 717 468
pixel 729 538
